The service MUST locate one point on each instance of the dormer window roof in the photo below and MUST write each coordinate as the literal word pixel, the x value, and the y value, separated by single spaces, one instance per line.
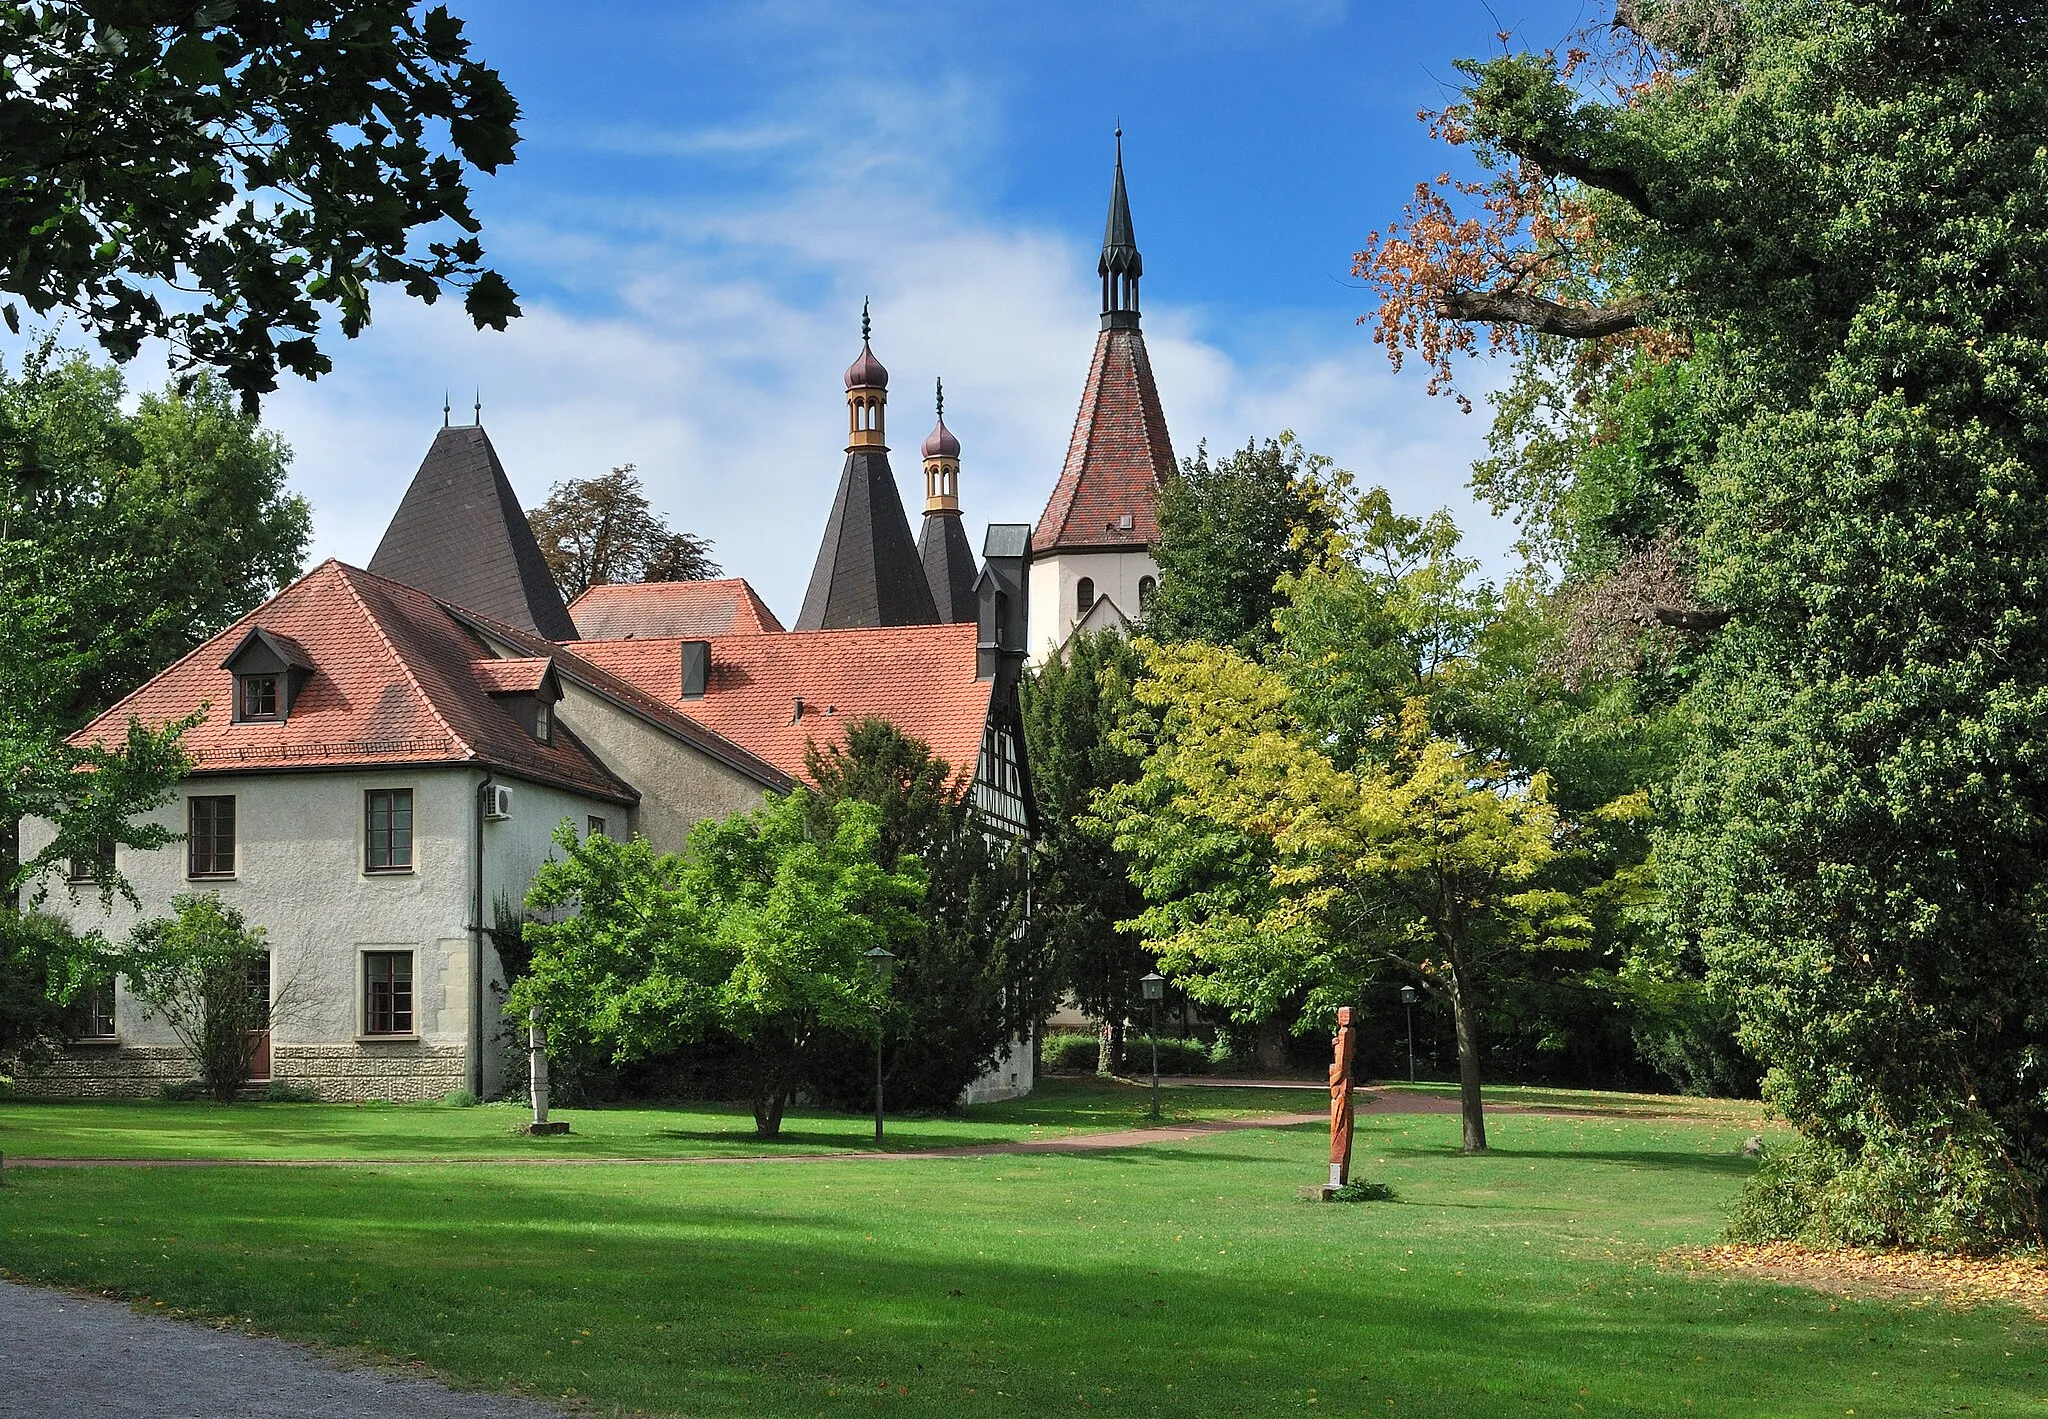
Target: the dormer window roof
pixel 270 670
pixel 527 687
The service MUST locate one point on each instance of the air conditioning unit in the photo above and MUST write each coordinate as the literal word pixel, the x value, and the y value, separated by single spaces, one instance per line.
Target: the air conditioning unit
pixel 498 802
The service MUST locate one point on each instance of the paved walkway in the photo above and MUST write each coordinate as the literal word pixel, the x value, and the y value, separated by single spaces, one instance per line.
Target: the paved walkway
pixel 70 1357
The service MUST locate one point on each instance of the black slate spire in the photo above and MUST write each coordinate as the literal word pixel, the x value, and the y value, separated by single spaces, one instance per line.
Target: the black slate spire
pixel 942 543
pixel 868 572
pixel 460 535
pixel 1120 265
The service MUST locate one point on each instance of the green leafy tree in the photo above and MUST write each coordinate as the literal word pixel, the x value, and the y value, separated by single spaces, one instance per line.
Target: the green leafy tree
pixel 180 508
pixel 968 981
pixel 1836 209
pixel 761 931
pixel 206 973
pixel 599 531
pixel 1082 891
pixel 1229 530
pixel 225 176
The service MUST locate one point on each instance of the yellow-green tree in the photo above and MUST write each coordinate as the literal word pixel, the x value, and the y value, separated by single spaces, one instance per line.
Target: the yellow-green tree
pixel 1271 869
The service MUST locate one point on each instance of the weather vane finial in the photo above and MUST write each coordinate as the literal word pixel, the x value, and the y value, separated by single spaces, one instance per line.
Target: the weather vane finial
pixel 479 406
pixel 446 408
pixel 864 320
pixel 942 401
pixel 1119 140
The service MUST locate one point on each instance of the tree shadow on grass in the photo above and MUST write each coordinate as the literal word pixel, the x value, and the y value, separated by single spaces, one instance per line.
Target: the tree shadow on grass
pixel 686 1290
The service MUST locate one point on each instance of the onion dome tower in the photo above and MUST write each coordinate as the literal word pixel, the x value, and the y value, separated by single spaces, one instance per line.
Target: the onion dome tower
pixel 1091 553
pixel 942 544
pixel 867 572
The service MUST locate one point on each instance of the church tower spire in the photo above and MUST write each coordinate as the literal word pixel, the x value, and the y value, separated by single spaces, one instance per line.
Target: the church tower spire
pixel 868 572
pixel 1091 552
pixel 942 545
pixel 1120 265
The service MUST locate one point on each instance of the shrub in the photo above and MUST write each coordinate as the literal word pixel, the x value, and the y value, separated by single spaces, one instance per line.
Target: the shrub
pixel 183 1091
pixel 460 1099
pixel 1952 1193
pixel 206 972
pixel 1176 1056
pixel 1070 1052
pixel 279 1092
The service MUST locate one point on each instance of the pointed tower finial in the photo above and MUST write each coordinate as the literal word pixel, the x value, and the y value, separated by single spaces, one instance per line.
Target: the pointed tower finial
pixel 942 400
pixel 867 393
pixel 478 421
pixel 1120 266
pixel 446 408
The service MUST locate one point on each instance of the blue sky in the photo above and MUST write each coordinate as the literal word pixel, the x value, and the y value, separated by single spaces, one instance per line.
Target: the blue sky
pixel 706 192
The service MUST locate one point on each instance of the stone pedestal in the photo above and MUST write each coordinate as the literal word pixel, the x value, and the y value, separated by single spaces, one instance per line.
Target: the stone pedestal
pixel 544 1130
pixel 1321 1192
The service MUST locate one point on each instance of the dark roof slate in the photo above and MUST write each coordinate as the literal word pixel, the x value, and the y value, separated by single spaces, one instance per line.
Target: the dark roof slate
pixel 460 535
pixel 948 565
pixel 867 572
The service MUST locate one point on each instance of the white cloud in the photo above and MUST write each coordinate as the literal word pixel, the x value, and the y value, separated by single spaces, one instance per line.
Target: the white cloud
pixel 703 339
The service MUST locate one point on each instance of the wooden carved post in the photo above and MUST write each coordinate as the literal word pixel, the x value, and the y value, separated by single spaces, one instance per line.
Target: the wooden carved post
pixel 1340 1102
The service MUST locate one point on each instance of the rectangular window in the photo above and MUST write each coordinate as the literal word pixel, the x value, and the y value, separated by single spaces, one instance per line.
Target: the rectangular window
pixel 96 868
pixel 387 992
pixel 593 827
pixel 259 697
pixel 92 1012
pixel 387 818
pixel 543 729
pixel 210 837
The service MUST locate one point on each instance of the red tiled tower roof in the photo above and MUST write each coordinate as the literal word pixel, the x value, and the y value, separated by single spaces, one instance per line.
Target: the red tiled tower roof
pixel 774 695
pixel 1117 457
pixel 1108 493
pixel 692 610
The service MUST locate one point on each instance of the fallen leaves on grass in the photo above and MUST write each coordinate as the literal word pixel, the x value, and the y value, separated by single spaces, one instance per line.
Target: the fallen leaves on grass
pixel 1961 1280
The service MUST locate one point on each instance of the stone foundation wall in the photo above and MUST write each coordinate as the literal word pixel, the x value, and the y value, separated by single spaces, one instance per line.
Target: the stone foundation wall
pixel 105 1072
pixel 403 1073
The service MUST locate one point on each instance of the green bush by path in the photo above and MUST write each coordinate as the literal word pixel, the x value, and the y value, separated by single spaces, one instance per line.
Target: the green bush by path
pixel 1177 1280
pixel 1176 1056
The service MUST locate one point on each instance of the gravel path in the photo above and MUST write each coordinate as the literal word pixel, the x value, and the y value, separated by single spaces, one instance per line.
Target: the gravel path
pixel 73 1357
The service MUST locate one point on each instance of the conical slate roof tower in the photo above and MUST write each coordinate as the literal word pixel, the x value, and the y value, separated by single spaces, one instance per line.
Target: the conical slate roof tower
pixel 942 543
pixel 868 572
pixel 460 535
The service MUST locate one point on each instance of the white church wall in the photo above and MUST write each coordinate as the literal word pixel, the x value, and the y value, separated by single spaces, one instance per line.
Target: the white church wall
pixel 1055 585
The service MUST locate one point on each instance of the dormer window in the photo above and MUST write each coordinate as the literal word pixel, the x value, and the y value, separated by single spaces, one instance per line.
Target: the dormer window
pixel 259 697
pixel 527 688
pixel 270 671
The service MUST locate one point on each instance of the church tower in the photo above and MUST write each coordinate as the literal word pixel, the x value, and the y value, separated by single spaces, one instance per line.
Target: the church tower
pixel 1091 553
pixel 942 546
pixel 868 572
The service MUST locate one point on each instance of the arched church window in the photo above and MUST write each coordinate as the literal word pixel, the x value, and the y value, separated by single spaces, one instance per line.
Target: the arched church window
pixel 1146 586
pixel 1084 596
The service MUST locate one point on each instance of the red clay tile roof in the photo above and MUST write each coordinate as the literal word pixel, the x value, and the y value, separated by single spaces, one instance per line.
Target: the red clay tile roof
pixel 601 682
pixel 523 676
pixel 392 683
pixel 693 610
pixel 1119 453
pixel 920 678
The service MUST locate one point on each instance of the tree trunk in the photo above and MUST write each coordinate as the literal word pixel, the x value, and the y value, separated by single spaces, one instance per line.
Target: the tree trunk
pixel 774 1082
pixel 1270 1054
pixel 1110 1046
pixel 1465 1009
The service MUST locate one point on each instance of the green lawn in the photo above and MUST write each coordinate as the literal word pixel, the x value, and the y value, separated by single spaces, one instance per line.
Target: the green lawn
pixel 153 1129
pixel 1177 1278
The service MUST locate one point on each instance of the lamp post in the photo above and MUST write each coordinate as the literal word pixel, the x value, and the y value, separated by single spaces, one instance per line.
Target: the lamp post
pixel 1155 987
pixel 1409 995
pixel 881 964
